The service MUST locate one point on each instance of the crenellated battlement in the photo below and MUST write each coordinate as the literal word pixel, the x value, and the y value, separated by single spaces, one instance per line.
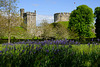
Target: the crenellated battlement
pixel 31 13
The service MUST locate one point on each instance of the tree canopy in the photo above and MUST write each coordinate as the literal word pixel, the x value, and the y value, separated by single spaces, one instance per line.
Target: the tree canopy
pixel 8 8
pixel 97 24
pixel 81 21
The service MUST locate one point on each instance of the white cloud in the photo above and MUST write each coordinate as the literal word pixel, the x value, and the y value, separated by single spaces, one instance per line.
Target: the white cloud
pixel 39 19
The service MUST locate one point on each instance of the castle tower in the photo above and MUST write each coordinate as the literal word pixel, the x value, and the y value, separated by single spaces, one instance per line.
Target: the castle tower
pixel 29 20
pixel 61 17
pixel 21 12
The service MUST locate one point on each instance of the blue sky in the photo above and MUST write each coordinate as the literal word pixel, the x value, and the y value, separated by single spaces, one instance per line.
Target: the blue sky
pixel 47 8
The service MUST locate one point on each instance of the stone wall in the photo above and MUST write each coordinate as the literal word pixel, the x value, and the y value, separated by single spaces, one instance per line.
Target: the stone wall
pixel 29 19
pixel 61 17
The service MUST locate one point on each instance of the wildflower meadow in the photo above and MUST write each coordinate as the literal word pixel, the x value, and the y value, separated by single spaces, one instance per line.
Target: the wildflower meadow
pixel 49 53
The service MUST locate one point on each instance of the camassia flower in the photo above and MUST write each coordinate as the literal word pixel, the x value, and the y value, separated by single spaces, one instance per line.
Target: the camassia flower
pixel 89 44
pixel 47 51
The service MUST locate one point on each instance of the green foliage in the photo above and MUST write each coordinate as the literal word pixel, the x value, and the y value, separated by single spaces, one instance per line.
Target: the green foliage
pixel 9 10
pixel 60 30
pixel 21 33
pixel 49 55
pixel 97 24
pixel 64 23
pixel 63 27
pixel 47 30
pixel 81 21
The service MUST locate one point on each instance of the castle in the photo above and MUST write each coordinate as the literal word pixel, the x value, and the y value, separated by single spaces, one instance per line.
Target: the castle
pixel 29 19
pixel 61 17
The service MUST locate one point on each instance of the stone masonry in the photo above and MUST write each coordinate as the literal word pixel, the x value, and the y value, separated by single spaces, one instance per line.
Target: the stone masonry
pixel 61 17
pixel 29 18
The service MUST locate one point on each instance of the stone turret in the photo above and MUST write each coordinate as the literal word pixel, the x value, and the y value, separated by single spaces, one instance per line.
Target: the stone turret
pixel 29 19
pixel 21 12
pixel 61 17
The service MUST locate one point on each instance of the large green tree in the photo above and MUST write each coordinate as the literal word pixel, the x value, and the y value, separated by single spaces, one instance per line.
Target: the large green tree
pixel 97 24
pixel 81 21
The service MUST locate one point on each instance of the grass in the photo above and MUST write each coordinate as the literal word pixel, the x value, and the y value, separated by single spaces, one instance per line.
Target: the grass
pixel 76 48
pixel 21 33
pixel 64 23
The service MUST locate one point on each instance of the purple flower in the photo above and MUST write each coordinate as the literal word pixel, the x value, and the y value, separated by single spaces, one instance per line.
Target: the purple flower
pixel 30 52
pixel 6 49
pixel 23 51
pixel 89 44
pixel 58 50
pixel 98 39
pixel 34 52
pixel 20 53
pixel 19 49
pixel 11 55
pixel 93 43
pixel 76 42
pixel 92 39
pixel 26 46
pixel 36 48
pixel 96 43
pixel 47 51
pixel 0 51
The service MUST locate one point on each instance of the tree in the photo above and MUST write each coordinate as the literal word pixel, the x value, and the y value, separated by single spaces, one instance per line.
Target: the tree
pixel 81 21
pixel 97 24
pixel 47 30
pixel 2 28
pixel 60 31
pixel 8 7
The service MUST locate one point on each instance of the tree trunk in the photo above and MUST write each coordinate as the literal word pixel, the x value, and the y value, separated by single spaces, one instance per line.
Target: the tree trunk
pixel 9 37
pixel 9 31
